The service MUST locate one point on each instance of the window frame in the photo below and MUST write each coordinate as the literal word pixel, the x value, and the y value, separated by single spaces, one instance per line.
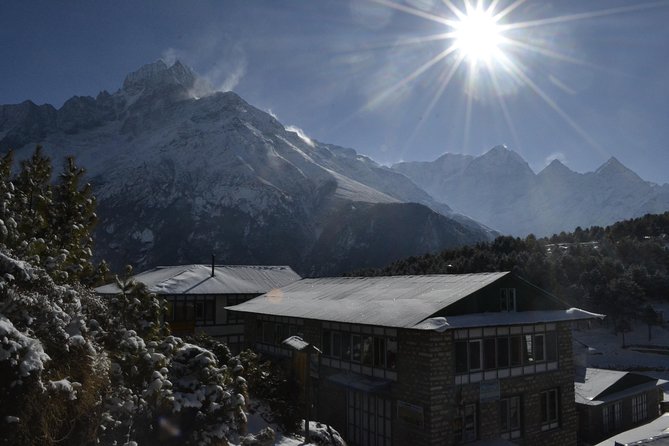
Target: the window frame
pixel 461 433
pixel 550 399
pixel 507 430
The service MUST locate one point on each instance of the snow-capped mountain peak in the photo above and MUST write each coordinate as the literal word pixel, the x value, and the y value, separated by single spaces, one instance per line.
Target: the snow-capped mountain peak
pixel 158 74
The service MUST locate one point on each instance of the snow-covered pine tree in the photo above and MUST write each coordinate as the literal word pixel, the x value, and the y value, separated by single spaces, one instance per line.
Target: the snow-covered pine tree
pixel 52 375
pixel 32 205
pixel 8 229
pixel 72 218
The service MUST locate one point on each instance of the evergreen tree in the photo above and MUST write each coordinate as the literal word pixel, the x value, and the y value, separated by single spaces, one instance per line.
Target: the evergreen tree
pixel 8 227
pixel 72 220
pixel 32 206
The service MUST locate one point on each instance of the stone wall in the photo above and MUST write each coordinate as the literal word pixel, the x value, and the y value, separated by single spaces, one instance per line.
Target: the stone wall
pixel 426 385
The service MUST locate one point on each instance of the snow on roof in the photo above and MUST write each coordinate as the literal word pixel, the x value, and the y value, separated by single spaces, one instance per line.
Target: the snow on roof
pixel 592 382
pixel 390 301
pixel 197 279
pixel 656 428
pixel 441 324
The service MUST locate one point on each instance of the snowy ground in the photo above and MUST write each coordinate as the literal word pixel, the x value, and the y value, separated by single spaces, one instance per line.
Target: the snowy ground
pixel 657 427
pixel 257 421
pixel 606 351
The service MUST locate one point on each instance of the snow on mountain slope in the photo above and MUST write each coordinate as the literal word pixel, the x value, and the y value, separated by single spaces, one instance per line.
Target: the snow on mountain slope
pixel 179 174
pixel 500 190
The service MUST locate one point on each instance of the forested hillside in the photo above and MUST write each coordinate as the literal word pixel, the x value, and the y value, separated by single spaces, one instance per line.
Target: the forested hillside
pixel 616 270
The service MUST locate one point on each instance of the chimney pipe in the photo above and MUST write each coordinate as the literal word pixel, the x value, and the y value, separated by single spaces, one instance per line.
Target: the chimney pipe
pixel 213 262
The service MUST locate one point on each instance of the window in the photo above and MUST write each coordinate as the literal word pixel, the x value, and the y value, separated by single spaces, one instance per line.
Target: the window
pixel 510 418
pixel 273 331
pixel 528 349
pixel 516 358
pixel 346 346
pixel 489 353
pixel 475 355
pixel 234 317
pixel 639 408
pixel 327 351
pixel 539 347
pixel 391 353
pixel 551 346
pixel 612 417
pixel 507 299
pixel 367 350
pixel 465 425
pixel 379 352
pixel 549 409
pixel 355 352
pixel 368 419
pixel 503 352
pixel 336 344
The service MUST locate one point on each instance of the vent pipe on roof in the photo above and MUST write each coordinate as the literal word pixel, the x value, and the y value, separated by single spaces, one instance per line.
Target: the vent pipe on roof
pixel 213 262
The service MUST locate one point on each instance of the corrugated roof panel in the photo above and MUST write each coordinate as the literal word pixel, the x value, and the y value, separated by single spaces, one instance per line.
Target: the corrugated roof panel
pixel 197 279
pixel 395 301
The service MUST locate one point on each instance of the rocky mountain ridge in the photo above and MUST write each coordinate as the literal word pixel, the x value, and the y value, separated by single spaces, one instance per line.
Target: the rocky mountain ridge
pixel 180 173
pixel 500 190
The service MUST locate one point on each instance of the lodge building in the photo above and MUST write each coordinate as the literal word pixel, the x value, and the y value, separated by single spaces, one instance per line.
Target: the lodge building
pixel 197 295
pixel 429 360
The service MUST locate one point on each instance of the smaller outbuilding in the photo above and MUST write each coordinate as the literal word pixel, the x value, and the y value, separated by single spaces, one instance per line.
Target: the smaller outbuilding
pixel 197 295
pixel 611 401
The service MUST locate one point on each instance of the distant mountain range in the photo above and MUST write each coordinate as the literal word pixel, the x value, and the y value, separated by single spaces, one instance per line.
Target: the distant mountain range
pixel 180 174
pixel 500 190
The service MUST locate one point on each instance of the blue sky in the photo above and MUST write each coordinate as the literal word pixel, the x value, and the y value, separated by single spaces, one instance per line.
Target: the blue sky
pixel 587 84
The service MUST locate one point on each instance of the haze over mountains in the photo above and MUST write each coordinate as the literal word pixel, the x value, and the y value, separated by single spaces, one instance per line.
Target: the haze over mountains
pixel 180 173
pixel 500 190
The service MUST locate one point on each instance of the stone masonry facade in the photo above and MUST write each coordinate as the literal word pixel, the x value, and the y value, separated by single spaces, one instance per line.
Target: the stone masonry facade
pixel 425 381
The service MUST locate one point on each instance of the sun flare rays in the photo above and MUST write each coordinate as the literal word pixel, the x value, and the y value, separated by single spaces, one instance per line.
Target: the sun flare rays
pixel 489 48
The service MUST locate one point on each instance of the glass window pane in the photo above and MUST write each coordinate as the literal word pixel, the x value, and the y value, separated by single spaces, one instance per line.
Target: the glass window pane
pixel 367 350
pixel 336 344
pixel 539 347
pixel 551 346
pixel 528 349
pixel 346 346
pixel 355 339
pixel 489 353
pixel 503 352
pixel 391 353
pixel 379 352
pixel 475 355
pixel 514 413
pixel 516 358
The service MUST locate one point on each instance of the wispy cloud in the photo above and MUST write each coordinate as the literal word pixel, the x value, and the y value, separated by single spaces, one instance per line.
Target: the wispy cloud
pixel 224 63
pixel 303 136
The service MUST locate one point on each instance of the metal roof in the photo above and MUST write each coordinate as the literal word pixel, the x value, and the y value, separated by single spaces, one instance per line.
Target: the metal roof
pixel 391 301
pixel 441 324
pixel 197 279
pixel 591 382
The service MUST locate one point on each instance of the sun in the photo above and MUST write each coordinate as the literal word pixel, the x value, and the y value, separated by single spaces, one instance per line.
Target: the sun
pixel 477 35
